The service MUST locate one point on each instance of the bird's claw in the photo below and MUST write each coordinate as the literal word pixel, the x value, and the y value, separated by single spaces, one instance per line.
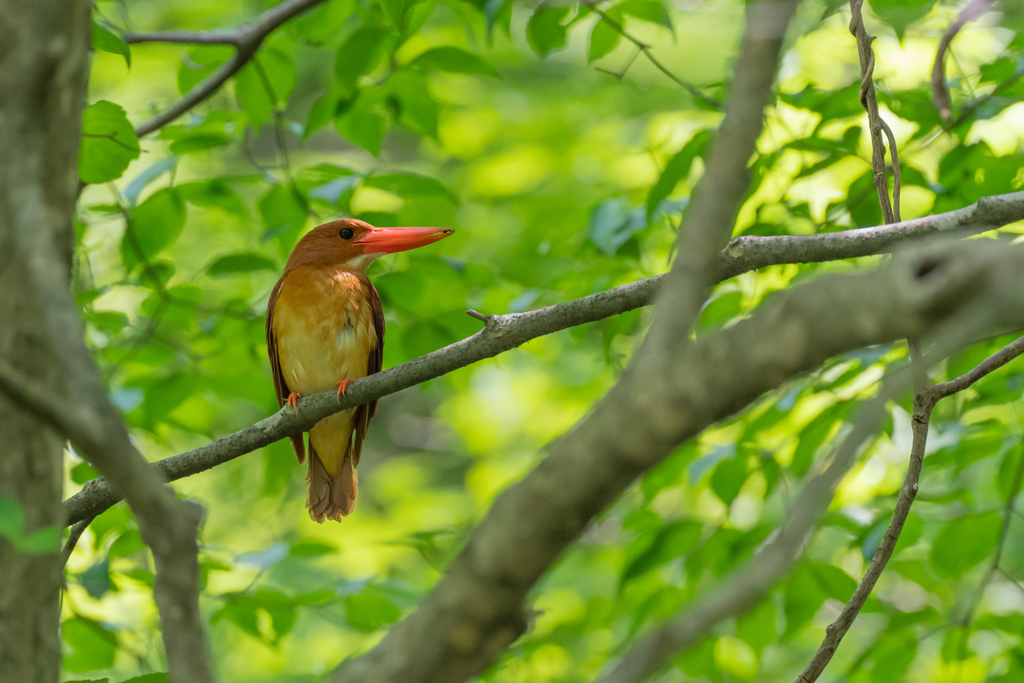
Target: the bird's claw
pixel 293 402
pixel 342 389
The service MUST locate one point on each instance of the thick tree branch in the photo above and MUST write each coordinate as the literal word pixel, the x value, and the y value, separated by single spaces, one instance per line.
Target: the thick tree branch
pixel 74 421
pixel 939 89
pixel 925 399
pixel 246 39
pixel 747 587
pixel 719 194
pixel 509 331
pixel 477 609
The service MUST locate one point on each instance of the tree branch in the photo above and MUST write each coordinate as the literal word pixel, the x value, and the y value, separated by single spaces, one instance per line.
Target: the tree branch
pixel 246 39
pixel 74 421
pixel 870 103
pixel 939 89
pixel 509 331
pixel 925 399
pixel 718 196
pixel 477 609
pixel 167 525
pixel 694 91
pixel 745 589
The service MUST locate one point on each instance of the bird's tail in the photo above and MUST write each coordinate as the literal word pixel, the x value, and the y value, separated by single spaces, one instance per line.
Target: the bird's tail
pixel 331 498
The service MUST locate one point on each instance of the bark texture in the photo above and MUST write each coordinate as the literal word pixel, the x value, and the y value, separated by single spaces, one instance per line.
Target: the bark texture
pixel 43 55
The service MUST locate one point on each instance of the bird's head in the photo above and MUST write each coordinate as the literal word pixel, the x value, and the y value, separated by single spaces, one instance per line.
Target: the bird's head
pixel 354 244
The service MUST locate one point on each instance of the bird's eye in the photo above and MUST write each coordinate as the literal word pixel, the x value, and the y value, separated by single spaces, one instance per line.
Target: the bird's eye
pixel 346 233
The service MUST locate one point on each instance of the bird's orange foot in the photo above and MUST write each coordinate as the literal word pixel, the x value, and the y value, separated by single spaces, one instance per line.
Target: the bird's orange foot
pixel 342 389
pixel 293 401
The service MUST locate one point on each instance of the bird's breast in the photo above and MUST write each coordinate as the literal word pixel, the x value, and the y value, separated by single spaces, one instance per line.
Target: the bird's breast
pixel 324 328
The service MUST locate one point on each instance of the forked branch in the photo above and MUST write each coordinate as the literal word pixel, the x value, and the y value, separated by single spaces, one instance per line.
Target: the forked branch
pixel 246 40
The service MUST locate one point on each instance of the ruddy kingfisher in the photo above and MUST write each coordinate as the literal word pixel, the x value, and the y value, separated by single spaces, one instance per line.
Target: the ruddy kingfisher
pixel 325 327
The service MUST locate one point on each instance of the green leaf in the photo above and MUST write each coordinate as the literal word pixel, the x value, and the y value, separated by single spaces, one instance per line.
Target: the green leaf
pixel 964 542
pixel 265 84
pixel 200 63
pixel 674 540
pixel 721 309
pixel 836 583
pixel 757 627
pixel 240 263
pixel 359 55
pixel 812 437
pixel 83 472
pixel 96 579
pixel 45 540
pixel 106 41
pixel 612 223
pixel 605 36
pixel 728 478
pixel 364 124
pixel 92 646
pixel 546 31
pixel 311 548
pixel 647 10
pixel 409 185
pixel 677 168
pixel 156 224
pixel 159 677
pixel 395 11
pixel 453 60
pixel 213 194
pixel 108 143
pixel 900 14
pixel 284 214
pixel 127 544
pixel 12 519
pixel 198 142
pixel 368 611
pixel 417 109
pixel 804 596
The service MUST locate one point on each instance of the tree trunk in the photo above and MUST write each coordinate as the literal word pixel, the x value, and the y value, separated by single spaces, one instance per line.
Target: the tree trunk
pixel 43 58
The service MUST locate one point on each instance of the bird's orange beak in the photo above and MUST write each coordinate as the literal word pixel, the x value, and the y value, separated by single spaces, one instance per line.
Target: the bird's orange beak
pixel 390 240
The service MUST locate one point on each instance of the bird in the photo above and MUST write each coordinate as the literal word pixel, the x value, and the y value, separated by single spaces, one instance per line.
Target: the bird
pixel 325 327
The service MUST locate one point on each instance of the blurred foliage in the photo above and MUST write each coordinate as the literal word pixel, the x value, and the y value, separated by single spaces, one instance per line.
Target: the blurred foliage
pixel 564 158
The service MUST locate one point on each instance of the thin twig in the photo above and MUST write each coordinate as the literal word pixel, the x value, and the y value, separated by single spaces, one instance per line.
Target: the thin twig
pixel 747 587
pixel 1004 530
pixel 246 39
pixel 76 533
pixel 925 398
pixel 646 49
pixel 870 103
pixel 939 88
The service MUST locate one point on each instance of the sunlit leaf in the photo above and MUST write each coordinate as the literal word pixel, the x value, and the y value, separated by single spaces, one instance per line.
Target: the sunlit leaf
pixel 107 41
pixel 108 143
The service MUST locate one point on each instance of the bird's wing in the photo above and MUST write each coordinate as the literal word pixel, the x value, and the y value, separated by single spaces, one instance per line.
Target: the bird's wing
pixel 374 364
pixel 280 386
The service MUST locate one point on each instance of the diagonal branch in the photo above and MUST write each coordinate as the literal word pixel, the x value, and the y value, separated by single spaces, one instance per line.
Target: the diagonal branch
pixel 939 88
pixel 73 420
pixel 694 91
pixel 506 332
pixel 477 609
pixel 246 39
pixel 925 399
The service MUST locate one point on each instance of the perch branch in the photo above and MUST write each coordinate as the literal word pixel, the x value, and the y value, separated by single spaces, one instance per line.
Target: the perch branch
pixel 508 331
pixel 246 39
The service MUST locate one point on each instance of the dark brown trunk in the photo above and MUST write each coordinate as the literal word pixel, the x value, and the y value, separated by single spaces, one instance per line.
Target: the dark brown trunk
pixel 43 56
